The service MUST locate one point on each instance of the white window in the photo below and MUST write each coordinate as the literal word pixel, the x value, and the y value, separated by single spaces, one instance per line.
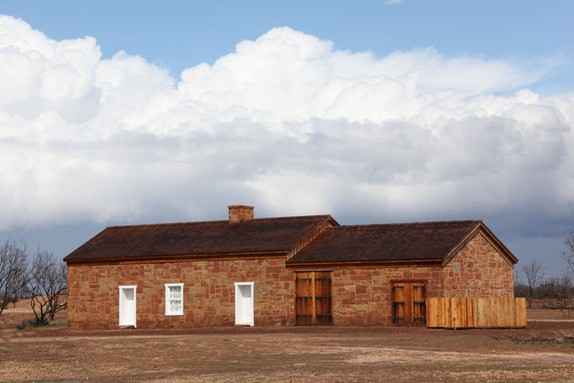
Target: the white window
pixel 174 299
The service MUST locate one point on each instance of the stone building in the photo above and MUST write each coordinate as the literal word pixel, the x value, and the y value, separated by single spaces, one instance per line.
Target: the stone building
pixel 306 270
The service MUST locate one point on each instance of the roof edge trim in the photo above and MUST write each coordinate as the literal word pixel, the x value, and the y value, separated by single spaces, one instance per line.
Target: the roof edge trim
pixel 385 263
pixel 177 258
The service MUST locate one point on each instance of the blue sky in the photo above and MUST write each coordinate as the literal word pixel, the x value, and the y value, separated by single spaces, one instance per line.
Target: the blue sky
pixel 180 34
pixel 370 111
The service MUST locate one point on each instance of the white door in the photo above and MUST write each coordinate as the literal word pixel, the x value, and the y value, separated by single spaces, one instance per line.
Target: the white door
pixel 244 303
pixel 128 306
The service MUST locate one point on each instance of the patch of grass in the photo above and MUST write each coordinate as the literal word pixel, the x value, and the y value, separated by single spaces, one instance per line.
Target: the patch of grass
pixel 32 323
pixel 535 340
pixel 22 325
pixel 51 325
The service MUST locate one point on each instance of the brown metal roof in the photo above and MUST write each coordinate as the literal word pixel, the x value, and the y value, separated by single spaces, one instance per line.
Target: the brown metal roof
pixel 266 235
pixel 388 242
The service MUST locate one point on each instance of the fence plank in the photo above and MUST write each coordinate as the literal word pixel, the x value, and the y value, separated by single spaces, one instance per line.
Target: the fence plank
pixel 491 312
pixel 432 311
pixel 521 320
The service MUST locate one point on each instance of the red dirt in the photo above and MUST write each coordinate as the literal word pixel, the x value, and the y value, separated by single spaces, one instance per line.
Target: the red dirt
pixel 543 352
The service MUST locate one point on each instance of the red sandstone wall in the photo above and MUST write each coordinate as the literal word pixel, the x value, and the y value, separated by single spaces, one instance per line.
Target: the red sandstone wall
pixel 360 296
pixel 478 270
pixel 209 293
pixel 363 296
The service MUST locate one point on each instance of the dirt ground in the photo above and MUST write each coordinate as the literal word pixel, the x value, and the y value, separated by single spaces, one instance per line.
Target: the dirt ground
pixel 543 352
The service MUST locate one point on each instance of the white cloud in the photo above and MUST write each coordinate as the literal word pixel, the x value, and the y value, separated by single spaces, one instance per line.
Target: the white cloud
pixel 286 122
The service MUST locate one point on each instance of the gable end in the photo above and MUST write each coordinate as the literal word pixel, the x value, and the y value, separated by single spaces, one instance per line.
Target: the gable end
pixel 490 237
pixel 309 237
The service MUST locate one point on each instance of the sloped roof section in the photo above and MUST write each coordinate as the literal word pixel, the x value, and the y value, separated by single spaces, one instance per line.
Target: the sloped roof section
pixel 196 239
pixel 429 241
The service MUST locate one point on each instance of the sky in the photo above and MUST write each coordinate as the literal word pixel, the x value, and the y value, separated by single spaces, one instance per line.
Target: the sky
pixel 132 112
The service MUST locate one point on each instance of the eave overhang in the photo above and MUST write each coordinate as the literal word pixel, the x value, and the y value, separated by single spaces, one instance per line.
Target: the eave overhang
pixel 176 258
pixel 365 264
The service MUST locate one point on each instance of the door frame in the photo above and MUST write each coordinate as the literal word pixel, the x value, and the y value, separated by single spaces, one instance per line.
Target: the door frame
pixel 409 303
pixel 240 301
pixel 123 307
pixel 317 315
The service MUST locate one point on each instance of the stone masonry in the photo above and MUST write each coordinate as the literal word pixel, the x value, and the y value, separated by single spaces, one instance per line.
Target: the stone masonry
pixel 209 292
pixel 478 270
pixel 361 295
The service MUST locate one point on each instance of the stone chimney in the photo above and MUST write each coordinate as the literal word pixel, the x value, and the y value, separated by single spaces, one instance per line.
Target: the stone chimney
pixel 238 213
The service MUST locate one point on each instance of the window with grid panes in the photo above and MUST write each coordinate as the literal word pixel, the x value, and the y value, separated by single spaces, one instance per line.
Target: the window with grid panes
pixel 174 299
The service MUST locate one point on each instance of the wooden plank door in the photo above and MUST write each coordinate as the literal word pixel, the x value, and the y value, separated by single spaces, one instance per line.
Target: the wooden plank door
pixel 409 303
pixel 418 295
pixel 313 298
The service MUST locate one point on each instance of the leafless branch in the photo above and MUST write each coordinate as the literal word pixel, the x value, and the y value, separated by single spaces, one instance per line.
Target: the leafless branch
pixel 13 269
pixel 568 256
pixel 47 285
pixel 534 274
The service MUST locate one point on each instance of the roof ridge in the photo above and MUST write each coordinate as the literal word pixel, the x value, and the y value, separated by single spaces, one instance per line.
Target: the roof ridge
pixel 426 223
pixel 214 221
pixel 136 225
pixel 297 216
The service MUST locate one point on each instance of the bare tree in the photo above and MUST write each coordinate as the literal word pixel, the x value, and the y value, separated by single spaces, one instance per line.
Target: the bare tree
pixel 568 256
pixel 534 274
pixel 520 289
pixel 47 284
pixel 13 269
pixel 559 292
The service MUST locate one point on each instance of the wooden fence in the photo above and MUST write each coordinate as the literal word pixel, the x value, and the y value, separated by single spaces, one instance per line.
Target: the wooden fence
pixel 476 312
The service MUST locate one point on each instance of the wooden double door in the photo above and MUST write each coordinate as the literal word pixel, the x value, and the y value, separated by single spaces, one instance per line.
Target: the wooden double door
pixel 409 303
pixel 313 298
